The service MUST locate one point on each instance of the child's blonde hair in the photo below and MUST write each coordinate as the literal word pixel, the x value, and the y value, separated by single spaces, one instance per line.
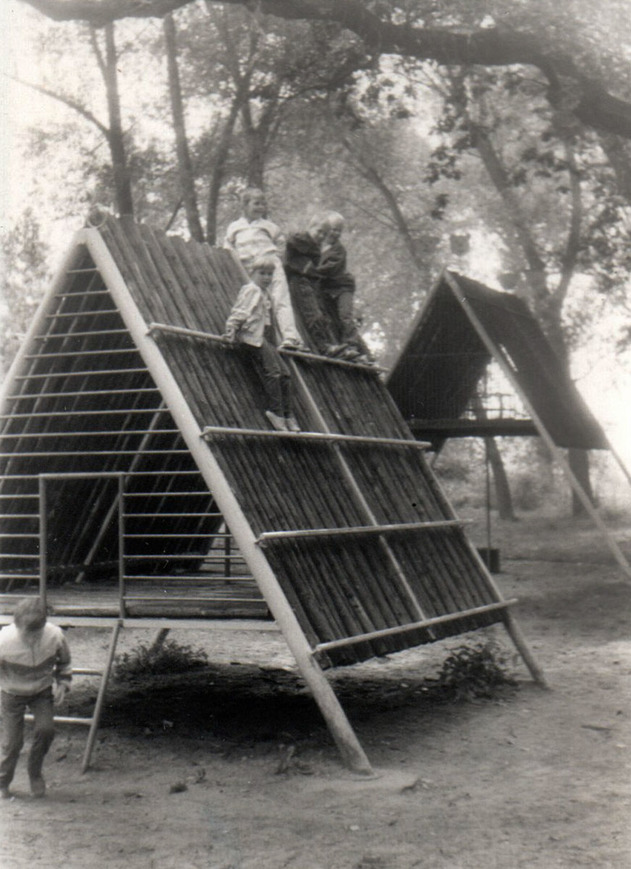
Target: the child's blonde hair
pixel 264 261
pixel 249 193
pixel 334 218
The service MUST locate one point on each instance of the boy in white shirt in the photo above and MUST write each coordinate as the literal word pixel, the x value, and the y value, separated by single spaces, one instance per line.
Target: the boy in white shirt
pixel 249 324
pixel 35 672
pixel 252 236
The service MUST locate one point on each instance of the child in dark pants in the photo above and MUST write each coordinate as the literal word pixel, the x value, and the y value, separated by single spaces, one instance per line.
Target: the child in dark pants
pixel 249 324
pixel 337 289
pixel 302 255
pixel 35 672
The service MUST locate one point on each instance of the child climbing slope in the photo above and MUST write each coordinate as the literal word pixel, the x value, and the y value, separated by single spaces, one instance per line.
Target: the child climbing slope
pixel 249 324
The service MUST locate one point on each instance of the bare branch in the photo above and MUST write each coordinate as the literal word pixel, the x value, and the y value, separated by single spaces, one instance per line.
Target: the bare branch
pixel 66 101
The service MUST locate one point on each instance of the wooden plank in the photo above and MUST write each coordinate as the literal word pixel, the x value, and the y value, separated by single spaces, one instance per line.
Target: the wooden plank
pixel 414 626
pixel 357 531
pixel 332 437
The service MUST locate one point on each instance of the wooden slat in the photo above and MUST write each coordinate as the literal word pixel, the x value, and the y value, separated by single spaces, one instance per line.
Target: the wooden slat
pixel 357 531
pixel 414 626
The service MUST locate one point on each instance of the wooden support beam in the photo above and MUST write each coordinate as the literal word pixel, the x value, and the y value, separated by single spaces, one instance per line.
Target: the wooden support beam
pixel 413 626
pixel 301 354
pixel 96 372
pixel 211 431
pixel 356 530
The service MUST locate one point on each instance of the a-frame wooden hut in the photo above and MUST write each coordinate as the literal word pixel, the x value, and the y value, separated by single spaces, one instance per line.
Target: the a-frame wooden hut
pixel 135 452
pixel 462 326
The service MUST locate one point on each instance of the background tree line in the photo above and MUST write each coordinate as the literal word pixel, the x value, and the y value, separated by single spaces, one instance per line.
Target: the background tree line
pixel 454 132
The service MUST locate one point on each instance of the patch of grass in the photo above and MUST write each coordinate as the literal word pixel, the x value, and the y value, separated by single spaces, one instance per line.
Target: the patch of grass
pixel 158 660
pixel 475 672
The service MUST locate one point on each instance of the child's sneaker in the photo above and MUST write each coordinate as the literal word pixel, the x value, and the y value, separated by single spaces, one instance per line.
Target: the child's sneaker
pixel 292 423
pixel 334 350
pixel 351 354
pixel 278 422
pixel 38 787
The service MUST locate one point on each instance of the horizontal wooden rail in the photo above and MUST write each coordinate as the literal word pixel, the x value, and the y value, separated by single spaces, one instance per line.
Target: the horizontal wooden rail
pixel 95 372
pixel 197 578
pixel 84 393
pixel 19 515
pixel 77 475
pixel 413 626
pixel 210 431
pixel 78 314
pixel 193 601
pixel 212 559
pixel 17 555
pixel 356 530
pixel 217 339
pixel 47 455
pixel 96 333
pixel 165 495
pixel 161 515
pixel 183 557
pixel 123 411
pixel 81 434
pixel 63 354
pixel 18 536
pixel 65 719
pixel 19 575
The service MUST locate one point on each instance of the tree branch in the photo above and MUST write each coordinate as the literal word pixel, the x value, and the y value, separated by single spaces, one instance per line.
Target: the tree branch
pixel 590 102
pixel 66 101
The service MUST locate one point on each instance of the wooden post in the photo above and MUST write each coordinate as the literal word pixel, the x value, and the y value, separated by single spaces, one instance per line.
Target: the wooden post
pixel 514 631
pixel 43 539
pixel 96 716
pixel 121 546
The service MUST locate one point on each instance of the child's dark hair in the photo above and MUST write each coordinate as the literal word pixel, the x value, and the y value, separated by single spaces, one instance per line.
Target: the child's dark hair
pixel 30 614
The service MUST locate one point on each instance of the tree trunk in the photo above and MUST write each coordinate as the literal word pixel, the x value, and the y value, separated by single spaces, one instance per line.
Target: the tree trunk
pixel 116 140
pixel 505 507
pixel 185 166
pixel 500 478
pixel 219 162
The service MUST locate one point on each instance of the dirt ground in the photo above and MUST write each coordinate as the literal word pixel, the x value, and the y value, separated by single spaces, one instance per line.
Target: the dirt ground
pixel 233 768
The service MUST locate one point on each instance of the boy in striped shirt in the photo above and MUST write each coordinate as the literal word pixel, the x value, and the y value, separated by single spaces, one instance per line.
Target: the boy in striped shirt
pixel 35 673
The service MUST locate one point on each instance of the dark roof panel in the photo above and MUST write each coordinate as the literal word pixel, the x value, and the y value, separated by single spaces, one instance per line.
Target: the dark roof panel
pixel 462 326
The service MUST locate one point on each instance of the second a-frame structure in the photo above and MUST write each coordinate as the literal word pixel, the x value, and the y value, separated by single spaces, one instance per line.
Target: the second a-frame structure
pixel 461 327
pixel 134 441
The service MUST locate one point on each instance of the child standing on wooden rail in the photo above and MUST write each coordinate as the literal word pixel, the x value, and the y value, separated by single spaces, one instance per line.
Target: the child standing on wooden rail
pixel 249 324
pixel 337 289
pixel 302 256
pixel 35 672
pixel 254 235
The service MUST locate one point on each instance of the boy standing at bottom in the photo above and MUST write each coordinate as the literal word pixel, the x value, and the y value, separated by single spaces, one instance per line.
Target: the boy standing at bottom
pixel 35 672
pixel 249 324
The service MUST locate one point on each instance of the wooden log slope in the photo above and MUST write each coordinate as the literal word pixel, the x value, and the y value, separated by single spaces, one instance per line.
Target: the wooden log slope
pixel 338 587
